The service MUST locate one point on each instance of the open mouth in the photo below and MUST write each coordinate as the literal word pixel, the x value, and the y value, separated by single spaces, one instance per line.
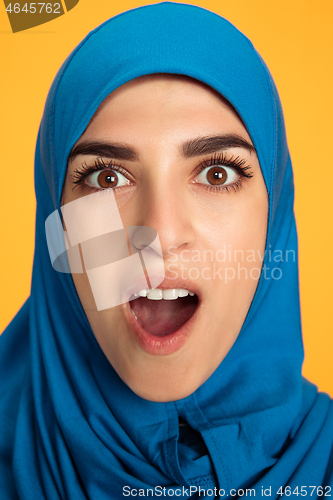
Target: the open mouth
pixel 162 312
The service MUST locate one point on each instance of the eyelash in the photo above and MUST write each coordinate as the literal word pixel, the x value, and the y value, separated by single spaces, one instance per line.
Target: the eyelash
pixel 84 171
pixel 235 162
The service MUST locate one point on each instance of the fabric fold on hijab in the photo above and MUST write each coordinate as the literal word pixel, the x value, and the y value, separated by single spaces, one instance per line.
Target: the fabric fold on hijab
pixel 70 428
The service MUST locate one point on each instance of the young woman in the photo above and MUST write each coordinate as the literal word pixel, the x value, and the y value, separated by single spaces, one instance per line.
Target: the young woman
pixel 162 140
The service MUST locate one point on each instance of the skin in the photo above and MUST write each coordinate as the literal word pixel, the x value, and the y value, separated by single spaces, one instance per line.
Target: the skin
pixel 155 115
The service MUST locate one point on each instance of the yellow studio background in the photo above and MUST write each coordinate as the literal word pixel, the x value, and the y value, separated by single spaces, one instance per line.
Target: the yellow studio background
pixel 296 40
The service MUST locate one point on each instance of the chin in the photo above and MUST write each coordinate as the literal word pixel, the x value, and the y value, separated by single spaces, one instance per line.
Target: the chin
pixel 164 385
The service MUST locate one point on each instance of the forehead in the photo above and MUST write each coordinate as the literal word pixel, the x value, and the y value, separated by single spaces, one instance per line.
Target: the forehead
pixel 161 104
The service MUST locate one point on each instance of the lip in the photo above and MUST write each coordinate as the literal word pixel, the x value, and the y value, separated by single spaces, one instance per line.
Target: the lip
pixel 172 342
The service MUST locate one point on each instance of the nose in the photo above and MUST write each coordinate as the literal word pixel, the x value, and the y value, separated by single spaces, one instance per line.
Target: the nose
pixel 168 210
pixel 141 236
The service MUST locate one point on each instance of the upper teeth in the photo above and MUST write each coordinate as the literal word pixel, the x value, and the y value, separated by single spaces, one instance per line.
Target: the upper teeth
pixel 158 294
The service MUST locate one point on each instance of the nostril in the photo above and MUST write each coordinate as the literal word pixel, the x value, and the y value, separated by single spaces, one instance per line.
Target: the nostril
pixel 141 237
pixel 139 243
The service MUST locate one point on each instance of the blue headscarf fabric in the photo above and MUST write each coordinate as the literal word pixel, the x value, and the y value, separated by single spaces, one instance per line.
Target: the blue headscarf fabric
pixel 70 428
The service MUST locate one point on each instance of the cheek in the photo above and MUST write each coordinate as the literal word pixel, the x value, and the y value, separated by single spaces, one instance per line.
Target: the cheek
pixel 234 231
pixel 236 235
pixel 239 223
pixel 101 322
pixel 84 292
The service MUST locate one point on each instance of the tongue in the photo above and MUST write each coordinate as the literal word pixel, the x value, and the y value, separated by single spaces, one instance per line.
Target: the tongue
pixel 162 317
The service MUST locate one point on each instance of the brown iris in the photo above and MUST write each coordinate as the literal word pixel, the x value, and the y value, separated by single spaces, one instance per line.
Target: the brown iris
pixel 107 179
pixel 217 175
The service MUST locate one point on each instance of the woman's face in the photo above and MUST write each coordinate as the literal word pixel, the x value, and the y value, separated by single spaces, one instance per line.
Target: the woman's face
pixel 186 167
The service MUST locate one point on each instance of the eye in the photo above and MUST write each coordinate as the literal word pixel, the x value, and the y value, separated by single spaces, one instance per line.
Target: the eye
pixel 106 178
pixel 217 175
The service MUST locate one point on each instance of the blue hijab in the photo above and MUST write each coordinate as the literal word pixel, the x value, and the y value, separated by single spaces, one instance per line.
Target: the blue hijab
pixel 70 428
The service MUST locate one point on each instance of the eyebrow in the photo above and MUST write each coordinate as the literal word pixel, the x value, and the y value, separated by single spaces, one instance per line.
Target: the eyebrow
pixel 104 150
pixel 193 147
pixel 210 144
